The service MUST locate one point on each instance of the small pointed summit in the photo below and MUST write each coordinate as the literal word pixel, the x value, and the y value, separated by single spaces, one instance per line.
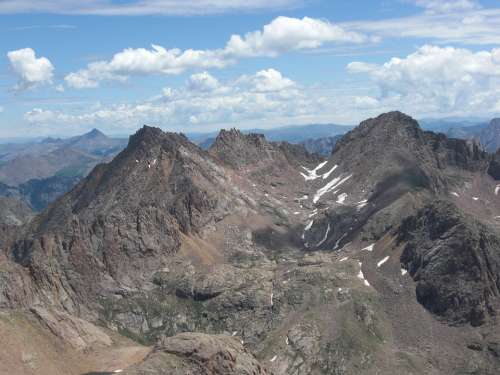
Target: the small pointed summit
pixel 95 133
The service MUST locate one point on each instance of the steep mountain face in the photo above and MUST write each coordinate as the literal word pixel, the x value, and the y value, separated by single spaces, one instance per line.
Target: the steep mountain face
pixel 125 218
pixel 41 192
pixel 259 257
pixel 455 262
pixel 14 211
pixel 490 136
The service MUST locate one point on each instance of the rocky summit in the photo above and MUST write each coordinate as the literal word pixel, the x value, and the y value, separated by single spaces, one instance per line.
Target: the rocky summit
pixel 258 257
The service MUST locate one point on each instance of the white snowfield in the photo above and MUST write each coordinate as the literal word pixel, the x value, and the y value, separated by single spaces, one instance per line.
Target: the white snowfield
pixel 361 276
pixel 332 185
pixel 455 194
pixel 403 271
pixel 343 259
pixel 311 173
pixel 368 248
pixel 341 198
pixel 382 261
pixel 273 359
pixel 475 198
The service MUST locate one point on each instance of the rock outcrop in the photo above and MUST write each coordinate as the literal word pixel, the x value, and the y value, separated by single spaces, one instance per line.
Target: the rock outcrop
pixel 455 262
pixel 196 353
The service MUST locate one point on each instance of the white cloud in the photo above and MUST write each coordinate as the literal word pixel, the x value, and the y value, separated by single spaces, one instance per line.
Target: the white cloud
pixel 203 100
pixel 267 81
pixel 444 22
pixel 438 80
pixel 366 102
pixel 204 82
pixel 283 34
pixel 1 109
pixel 32 71
pixel 141 7
pixel 141 61
pixel 286 34
pixel 443 6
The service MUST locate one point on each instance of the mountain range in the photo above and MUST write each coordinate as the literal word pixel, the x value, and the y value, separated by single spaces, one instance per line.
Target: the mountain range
pixel 258 257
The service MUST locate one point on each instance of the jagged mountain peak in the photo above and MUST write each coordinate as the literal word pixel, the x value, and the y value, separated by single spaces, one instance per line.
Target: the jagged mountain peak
pixel 236 149
pixel 395 128
pixel 148 137
pixel 233 137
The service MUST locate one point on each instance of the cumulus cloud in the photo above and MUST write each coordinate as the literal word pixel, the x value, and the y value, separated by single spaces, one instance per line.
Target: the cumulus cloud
pixel 267 81
pixel 283 34
pixel 141 61
pixel 141 7
pixel 438 79
pixel 204 82
pixel 32 71
pixel 286 34
pixel 203 100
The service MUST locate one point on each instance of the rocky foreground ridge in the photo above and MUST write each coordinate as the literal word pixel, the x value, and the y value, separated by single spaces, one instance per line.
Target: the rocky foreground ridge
pixel 256 257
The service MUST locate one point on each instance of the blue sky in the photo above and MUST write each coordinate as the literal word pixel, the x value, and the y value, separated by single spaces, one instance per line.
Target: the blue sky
pixel 67 66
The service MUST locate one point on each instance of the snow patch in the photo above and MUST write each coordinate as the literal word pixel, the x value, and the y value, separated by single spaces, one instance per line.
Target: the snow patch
pixel 311 173
pixel 314 213
pixel 327 174
pixel 332 185
pixel 273 359
pixel 296 213
pixel 361 204
pixel 455 194
pixel 403 271
pixel 338 241
pixel 325 237
pixel 341 198
pixel 361 276
pixel 369 247
pixel 497 189
pixel 309 225
pixel 382 261
pixel 343 259
pixel 475 198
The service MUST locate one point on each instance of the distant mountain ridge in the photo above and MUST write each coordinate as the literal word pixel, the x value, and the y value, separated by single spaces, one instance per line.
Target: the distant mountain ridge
pixel 42 171
pixel 291 134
